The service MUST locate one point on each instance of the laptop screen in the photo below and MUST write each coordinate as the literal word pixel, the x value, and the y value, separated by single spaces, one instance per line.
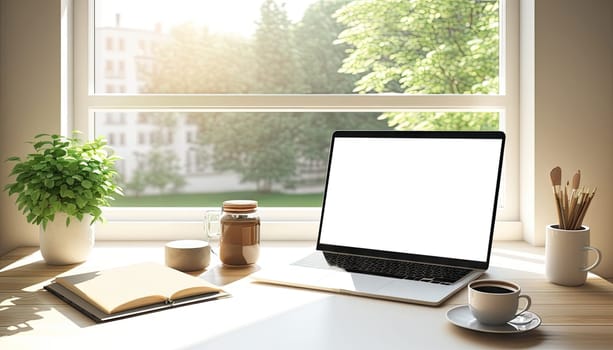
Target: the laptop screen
pixel 425 196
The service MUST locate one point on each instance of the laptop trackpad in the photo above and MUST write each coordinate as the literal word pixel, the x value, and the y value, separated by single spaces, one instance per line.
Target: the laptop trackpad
pixel 340 279
pixel 418 291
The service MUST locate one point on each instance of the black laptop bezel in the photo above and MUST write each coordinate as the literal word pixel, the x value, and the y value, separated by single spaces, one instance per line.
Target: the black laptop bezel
pixel 480 265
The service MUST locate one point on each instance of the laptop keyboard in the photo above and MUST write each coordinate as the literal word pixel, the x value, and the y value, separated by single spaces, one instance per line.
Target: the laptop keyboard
pixel 397 269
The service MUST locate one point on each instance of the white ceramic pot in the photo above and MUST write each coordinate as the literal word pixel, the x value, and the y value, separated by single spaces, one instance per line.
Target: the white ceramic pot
pixel 566 255
pixel 61 245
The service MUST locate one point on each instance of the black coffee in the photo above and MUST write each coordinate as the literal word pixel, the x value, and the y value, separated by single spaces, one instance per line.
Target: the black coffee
pixel 494 289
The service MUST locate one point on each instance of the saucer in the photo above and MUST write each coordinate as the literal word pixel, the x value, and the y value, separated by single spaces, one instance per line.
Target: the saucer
pixel 462 317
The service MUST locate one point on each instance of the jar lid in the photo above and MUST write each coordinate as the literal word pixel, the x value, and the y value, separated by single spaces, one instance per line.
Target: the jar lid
pixel 240 205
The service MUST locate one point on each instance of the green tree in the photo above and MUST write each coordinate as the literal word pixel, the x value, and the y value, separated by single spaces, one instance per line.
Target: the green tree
pixel 194 60
pixel 162 170
pixel 158 167
pixel 424 47
pixel 277 69
pixel 258 146
pixel 320 59
pixel 138 181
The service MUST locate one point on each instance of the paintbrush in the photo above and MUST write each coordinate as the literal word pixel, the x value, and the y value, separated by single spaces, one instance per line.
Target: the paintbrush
pixel 566 205
pixel 556 179
pixel 586 203
pixel 573 212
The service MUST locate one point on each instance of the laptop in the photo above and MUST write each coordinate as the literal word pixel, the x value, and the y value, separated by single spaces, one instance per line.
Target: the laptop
pixel 406 216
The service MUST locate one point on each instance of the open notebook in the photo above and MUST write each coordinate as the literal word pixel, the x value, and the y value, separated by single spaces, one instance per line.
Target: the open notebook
pixel 407 216
pixel 131 290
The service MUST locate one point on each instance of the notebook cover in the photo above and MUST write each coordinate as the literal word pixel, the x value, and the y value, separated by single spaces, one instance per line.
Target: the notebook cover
pixel 98 316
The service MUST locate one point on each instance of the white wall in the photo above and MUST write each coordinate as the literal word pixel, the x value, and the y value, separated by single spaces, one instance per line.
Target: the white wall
pixel 568 121
pixel 569 118
pixel 29 95
pixel 574 108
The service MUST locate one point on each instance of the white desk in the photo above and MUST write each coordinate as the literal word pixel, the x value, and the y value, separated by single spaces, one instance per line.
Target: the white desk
pixel 272 317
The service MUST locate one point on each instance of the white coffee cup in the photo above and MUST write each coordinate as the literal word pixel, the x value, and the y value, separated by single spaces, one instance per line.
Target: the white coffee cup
pixel 566 255
pixel 495 302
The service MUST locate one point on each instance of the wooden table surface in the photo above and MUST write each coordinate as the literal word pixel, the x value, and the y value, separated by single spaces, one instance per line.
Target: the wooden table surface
pixel 259 316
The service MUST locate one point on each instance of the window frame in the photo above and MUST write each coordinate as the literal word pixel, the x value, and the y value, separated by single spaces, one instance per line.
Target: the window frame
pixel 285 223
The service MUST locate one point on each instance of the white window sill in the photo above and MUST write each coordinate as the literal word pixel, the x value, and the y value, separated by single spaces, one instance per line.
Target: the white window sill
pixel 187 223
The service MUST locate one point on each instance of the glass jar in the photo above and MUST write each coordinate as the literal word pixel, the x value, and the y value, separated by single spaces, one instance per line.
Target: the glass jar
pixel 239 242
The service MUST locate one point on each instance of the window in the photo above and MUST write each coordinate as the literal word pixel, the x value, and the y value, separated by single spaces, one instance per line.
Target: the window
pixel 121 69
pixel 242 73
pixel 110 68
pixel 111 139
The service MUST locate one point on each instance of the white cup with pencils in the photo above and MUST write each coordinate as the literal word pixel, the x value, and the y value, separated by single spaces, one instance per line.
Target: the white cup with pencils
pixel 567 243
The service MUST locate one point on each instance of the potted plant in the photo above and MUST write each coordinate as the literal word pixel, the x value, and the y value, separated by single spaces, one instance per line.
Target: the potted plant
pixel 61 187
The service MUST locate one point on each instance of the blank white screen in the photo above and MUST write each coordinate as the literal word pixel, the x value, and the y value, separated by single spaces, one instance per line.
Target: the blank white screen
pixel 412 195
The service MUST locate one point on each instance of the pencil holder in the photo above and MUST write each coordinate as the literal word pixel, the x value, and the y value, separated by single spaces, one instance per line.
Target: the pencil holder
pixel 566 255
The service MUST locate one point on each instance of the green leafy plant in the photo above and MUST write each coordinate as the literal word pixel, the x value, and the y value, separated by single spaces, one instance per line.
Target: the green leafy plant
pixel 64 175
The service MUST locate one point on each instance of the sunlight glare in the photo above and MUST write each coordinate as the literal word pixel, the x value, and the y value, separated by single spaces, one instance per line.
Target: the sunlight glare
pixel 518 260
pixel 228 16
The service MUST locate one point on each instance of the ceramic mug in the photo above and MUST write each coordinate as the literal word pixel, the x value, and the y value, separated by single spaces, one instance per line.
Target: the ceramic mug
pixel 566 255
pixel 495 302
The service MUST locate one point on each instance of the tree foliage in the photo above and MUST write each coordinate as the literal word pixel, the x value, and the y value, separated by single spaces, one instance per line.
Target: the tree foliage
pixel 159 167
pixel 277 69
pixel 424 47
pixel 320 59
